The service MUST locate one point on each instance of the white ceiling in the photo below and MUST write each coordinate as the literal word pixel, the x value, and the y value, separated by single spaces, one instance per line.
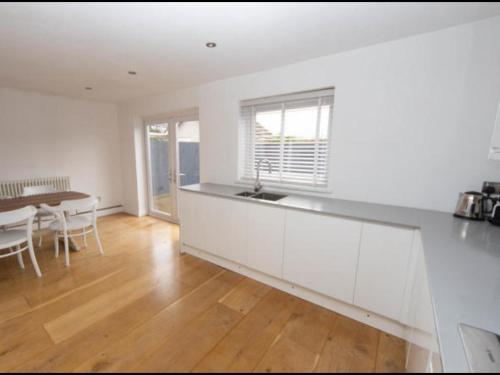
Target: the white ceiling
pixel 62 47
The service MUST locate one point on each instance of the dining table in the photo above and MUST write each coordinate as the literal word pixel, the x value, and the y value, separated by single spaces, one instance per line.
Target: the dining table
pixel 50 199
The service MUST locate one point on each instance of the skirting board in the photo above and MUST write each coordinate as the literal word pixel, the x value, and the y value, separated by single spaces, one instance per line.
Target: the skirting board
pixel 353 312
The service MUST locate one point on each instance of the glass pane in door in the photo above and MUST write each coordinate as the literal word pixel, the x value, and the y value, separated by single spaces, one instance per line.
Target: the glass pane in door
pixel 188 150
pixel 159 162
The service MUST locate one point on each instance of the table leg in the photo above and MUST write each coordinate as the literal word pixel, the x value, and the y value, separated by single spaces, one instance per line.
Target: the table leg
pixel 73 246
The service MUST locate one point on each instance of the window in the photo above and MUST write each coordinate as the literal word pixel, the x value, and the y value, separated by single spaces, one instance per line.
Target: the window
pixel 292 132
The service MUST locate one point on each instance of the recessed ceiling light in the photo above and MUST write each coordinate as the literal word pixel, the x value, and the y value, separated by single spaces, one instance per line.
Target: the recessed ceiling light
pixel 132 73
pixel 88 88
pixel 211 45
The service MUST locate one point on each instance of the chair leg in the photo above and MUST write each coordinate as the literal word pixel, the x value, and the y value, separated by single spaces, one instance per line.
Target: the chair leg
pixel 31 252
pixel 99 245
pixel 20 257
pixel 40 231
pixel 66 248
pixel 56 243
pixel 84 237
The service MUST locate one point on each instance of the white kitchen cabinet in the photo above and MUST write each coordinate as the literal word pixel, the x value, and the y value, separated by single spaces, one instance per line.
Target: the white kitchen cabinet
pixel 199 223
pixel 423 350
pixel 321 253
pixel 382 269
pixel 265 231
pixel 421 312
pixel 231 230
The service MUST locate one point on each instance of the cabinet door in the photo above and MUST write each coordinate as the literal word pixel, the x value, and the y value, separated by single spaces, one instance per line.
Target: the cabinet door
pixel 420 311
pixel 321 253
pixel 198 221
pixel 265 230
pixel 382 269
pixel 231 232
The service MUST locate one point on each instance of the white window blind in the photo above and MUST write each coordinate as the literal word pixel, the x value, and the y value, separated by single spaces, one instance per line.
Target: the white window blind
pixel 292 132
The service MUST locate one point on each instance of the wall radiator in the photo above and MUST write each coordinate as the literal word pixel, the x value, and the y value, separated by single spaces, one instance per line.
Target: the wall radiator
pixel 14 188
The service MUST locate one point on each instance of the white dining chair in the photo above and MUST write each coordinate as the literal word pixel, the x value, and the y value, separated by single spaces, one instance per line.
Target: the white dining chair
pixel 41 213
pixel 3 227
pixel 66 226
pixel 13 238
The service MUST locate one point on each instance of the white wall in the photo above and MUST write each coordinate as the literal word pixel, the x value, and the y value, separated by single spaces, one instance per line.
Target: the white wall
pixel 45 136
pixel 412 118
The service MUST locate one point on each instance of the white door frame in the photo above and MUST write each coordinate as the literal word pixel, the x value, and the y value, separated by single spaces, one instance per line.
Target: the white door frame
pixel 174 177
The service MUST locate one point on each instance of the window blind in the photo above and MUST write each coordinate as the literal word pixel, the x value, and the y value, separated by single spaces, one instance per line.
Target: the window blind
pixel 292 132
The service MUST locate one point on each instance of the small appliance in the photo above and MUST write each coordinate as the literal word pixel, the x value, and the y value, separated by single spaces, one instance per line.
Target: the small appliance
pixel 495 215
pixel 470 206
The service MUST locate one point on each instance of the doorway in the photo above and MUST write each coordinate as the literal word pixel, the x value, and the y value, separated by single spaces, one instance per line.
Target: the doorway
pixel 173 160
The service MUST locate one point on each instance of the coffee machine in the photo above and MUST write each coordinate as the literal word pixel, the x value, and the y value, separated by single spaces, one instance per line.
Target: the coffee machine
pixel 491 206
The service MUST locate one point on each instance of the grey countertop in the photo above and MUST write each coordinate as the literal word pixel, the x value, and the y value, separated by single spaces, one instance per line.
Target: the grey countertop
pixel 462 259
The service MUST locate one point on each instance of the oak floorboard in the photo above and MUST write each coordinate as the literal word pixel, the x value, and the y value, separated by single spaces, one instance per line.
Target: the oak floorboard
pixel 12 307
pixel 245 296
pixel 243 348
pixel 298 347
pixel 183 350
pixel 351 347
pixel 391 355
pixel 145 339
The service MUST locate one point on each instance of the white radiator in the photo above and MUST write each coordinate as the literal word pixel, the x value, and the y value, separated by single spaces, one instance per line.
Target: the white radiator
pixel 15 188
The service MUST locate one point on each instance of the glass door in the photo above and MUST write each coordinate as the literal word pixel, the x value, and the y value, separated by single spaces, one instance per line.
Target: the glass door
pixel 160 142
pixel 188 152
pixel 173 160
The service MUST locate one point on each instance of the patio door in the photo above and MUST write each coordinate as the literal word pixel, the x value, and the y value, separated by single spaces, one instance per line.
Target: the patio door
pixel 172 148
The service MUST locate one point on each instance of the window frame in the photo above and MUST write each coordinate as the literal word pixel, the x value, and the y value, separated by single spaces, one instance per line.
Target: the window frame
pixel 282 100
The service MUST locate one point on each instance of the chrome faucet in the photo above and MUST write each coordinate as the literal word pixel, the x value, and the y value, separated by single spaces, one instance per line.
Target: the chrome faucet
pixel 257 186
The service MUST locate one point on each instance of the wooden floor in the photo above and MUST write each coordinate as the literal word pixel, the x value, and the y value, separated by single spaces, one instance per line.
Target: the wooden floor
pixel 142 307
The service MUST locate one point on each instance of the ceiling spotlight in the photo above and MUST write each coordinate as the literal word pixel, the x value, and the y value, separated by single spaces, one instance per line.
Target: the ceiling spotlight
pixel 132 73
pixel 88 88
pixel 211 45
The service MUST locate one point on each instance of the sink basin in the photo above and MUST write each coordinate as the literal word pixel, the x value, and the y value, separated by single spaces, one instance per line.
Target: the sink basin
pixel 268 196
pixel 245 194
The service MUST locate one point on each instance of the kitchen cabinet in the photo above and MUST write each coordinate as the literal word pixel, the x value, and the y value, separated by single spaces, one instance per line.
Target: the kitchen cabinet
pixel 199 221
pixel 231 227
pixel 321 253
pixel 382 269
pixel 423 350
pixel 265 232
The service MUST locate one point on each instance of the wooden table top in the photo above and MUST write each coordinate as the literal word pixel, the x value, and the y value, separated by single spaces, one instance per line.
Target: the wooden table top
pixel 51 199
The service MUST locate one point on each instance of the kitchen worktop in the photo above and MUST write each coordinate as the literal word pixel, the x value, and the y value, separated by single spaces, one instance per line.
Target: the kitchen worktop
pixel 462 259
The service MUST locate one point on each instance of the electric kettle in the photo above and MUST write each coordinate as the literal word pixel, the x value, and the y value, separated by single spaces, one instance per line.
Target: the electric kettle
pixel 470 206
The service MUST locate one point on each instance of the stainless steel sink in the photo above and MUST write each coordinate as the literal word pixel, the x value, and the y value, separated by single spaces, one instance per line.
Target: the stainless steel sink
pixel 245 194
pixel 268 196
pixel 263 196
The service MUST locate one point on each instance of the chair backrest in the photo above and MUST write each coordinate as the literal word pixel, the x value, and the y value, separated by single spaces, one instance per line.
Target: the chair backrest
pixel 40 189
pixel 85 204
pixel 16 216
